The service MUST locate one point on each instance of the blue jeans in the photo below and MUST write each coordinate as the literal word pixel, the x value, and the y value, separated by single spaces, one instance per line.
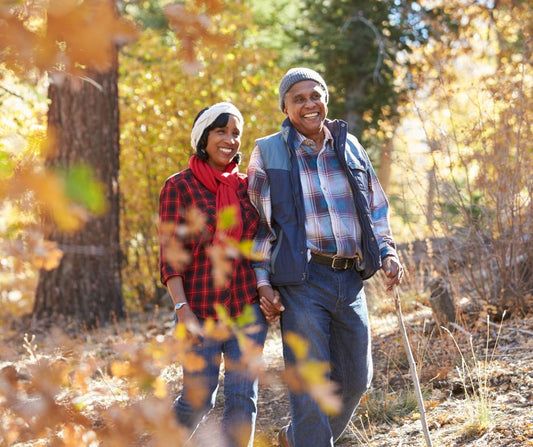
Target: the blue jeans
pixel 240 389
pixel 329 311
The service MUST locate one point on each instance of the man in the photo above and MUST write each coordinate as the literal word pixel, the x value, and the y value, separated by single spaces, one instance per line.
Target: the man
pixel 324 229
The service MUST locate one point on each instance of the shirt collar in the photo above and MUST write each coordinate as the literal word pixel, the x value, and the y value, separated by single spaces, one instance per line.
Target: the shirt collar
pixel 300 139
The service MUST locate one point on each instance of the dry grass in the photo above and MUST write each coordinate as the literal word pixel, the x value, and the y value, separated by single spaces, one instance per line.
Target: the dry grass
pixel 114 385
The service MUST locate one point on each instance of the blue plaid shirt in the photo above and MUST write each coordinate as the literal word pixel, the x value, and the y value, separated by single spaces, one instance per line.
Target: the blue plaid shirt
pixel 328 200
pixel 331 224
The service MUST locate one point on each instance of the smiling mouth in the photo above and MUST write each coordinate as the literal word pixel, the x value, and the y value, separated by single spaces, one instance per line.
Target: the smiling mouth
pixel 311 115
pixel 225 150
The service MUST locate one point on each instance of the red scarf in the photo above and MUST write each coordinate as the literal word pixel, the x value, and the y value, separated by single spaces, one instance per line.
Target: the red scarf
pixel 225 184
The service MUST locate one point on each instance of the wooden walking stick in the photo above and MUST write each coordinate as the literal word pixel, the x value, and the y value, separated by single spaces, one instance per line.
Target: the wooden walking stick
pixel 412 366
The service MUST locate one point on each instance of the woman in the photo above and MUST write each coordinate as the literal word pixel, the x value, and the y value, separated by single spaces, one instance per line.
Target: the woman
pixel 210 185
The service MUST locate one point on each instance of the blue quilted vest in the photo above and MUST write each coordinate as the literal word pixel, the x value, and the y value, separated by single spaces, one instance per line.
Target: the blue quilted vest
pixel 289 254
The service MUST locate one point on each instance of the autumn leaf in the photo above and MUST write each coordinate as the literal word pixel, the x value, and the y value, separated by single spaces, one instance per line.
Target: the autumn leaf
pixel 325 394
pixel 160 388
pixel 227 218
pixel 175 254
pixel 193 362
pixel 298 345
pixel 180 331
pixel 311 376
pixel 86 45
pixel 121 369
pixel 49 191
pixel 217 330
pixel 222 266
pixel 246 249
pixel 63 35
pixel 47 255
pixel 195 221
pixel 194 28
pixel 246 318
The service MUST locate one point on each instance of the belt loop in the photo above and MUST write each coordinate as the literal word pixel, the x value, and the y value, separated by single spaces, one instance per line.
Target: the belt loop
pixel 357 263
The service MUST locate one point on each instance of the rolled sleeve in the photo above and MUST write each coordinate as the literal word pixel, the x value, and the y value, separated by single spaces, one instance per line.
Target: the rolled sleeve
pixel 169 219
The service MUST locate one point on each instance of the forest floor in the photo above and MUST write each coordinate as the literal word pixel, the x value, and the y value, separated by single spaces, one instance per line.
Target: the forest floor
pixel 482 401
pixel 477 382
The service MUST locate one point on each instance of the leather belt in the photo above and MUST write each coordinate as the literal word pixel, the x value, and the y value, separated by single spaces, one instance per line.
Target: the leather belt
pixel 336 262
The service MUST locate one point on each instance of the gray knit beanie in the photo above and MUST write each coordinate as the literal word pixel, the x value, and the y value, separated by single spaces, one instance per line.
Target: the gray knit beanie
pixel 295 75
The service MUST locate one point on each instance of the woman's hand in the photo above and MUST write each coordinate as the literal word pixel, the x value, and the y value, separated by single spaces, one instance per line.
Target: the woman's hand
pixel 187 317
pixel 185 314
pixel 270 303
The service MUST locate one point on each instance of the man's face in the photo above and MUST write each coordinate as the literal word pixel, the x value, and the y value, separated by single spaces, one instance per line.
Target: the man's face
pixel 305 105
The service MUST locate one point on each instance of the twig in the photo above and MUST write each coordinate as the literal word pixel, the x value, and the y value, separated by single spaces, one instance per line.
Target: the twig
pixel 460 328
pixel 412 367
pixel 381 46
pixel 514 329
pixel 11 92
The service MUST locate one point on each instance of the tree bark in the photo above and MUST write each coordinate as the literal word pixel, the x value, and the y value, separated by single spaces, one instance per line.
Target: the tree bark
pixel 83 117
pixel 441 302
pixel 385 165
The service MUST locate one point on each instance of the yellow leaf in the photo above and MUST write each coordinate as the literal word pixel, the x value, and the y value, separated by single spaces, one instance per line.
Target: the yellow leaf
pixel 47 255
pixel 121 369
pixel 298 345
pixel 227 218
pixel 180 332
pixel 314 372
pixel 192 362
pixel 246 249
pixel 325 394
pixel 160 388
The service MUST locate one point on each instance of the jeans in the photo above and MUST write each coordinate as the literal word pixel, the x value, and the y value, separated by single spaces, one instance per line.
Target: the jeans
pixel 328 311
pixel 240 388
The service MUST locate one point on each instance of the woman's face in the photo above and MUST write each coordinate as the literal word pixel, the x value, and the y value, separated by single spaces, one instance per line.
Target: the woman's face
pixel 222 144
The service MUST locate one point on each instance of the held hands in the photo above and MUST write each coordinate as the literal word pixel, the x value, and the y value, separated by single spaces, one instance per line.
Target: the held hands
pixel 270 303
pixel 393 272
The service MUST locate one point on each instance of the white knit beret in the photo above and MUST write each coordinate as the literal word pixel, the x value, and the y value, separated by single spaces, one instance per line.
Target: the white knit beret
pixel 209 116
pixel 295 75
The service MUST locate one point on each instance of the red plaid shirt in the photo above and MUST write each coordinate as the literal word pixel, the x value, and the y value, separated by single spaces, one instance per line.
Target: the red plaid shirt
pixel 182 192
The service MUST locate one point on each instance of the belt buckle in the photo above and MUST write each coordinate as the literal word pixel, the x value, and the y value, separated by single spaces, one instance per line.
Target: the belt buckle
pixel 336 258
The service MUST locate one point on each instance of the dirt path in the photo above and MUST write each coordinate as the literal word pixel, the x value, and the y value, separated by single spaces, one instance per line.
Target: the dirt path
pixel 503 386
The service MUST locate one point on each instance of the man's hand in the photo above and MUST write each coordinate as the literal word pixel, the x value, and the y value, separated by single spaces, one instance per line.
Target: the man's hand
pixel 270 303
pixel 393 272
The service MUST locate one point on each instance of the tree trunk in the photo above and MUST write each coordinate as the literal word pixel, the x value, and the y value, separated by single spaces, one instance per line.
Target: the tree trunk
pixel 385 165
pixel 83 117
pixel 441 302
pixel 432 186
pixel 354 118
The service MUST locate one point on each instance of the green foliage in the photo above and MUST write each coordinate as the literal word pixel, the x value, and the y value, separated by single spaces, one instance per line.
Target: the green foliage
pixel 273 19
pixel 82 187
pixel 148 14
pixel 358 45
pixel 6 165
